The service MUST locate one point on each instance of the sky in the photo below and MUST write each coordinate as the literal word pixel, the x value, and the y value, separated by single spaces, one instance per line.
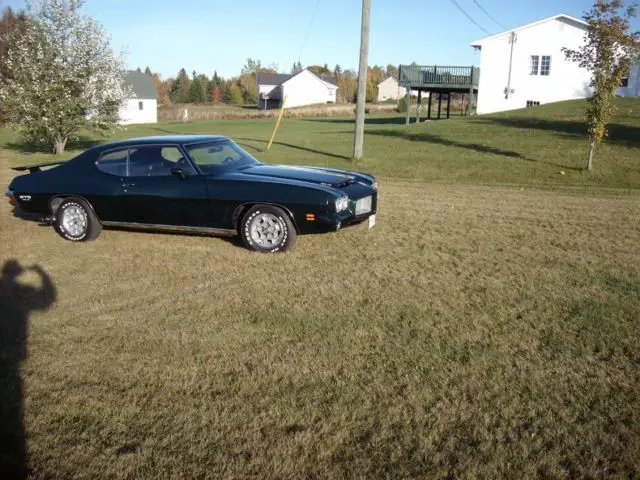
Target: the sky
pixel 216 35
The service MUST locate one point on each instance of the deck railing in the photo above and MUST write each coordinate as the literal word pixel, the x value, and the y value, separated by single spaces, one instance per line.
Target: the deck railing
pixel 436 75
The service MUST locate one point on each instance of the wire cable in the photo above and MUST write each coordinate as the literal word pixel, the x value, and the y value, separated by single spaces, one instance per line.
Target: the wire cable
pixel 470 18
pixel 306 35
pixel 488 15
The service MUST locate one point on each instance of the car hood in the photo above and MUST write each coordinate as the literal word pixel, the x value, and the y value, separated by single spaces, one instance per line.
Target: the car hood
pixel 334 179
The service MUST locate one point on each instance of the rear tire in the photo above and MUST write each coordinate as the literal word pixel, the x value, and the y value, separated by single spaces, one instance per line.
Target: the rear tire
pixel 75 221
pixel 267 229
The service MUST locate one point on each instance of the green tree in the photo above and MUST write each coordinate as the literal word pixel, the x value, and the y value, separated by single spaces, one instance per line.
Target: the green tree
pixel 11 26
pixel 607 53
pixel 197 91
pixel 60 75
pixel 235 95
pixel 371 92
pixel 180 87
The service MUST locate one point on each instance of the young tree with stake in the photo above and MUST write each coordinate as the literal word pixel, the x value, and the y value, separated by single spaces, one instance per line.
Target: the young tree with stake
pixel 607 53
pixel 61 75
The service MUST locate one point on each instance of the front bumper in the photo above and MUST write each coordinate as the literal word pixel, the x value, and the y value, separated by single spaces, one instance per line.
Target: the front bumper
pixel 331 221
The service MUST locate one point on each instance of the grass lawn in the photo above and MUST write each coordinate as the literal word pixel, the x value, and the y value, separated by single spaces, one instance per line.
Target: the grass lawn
pixel 488 326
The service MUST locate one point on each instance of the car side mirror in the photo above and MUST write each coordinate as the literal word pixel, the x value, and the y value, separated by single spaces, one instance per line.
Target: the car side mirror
pixel 178 172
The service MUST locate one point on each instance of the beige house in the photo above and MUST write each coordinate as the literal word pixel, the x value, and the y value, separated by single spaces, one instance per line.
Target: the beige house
pixel 389 89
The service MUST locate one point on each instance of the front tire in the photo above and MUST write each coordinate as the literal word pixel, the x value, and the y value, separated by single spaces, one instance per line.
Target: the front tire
pixel 267 229
pixel 76 221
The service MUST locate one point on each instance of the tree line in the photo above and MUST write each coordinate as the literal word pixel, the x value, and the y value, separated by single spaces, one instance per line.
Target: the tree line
pixel 242 89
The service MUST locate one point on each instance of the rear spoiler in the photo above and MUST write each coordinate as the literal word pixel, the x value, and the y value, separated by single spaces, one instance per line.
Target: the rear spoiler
pixel 37 166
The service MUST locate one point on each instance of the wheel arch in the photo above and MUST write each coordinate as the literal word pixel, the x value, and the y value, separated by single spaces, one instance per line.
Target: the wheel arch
pixel 56 201
pixel 242 209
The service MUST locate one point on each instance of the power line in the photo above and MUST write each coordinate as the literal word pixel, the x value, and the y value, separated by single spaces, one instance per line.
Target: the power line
pixel 469 17
pixel 306 35
pixel 488 15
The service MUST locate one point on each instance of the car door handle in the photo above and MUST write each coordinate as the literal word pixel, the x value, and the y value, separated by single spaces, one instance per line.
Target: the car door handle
pixel 126 185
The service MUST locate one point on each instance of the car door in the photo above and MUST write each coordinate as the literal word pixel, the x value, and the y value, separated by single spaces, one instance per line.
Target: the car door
pixel 162 188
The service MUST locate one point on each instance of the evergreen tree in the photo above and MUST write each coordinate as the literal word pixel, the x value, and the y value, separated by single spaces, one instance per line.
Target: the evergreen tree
pixel 180 88
pixel 148 71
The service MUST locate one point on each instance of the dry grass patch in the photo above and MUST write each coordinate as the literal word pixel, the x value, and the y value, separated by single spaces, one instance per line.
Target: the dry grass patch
pixel 484 332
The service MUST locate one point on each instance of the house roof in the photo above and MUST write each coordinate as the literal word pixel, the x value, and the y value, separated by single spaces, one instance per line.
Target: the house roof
pixel 279 78
pixel 273 78
pixel 560 16
pixel 141 84
pixel 389 78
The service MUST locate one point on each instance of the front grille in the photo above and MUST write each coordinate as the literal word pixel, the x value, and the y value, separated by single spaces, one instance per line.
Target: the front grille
pixel 363 205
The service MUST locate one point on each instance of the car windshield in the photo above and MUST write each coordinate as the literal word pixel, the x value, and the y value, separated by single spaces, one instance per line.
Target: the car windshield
pixel 219 155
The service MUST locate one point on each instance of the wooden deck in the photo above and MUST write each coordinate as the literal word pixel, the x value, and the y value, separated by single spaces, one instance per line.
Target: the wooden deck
pixel 443 80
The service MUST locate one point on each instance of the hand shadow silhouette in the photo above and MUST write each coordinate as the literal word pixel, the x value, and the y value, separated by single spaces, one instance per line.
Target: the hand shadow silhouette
pixel 17 301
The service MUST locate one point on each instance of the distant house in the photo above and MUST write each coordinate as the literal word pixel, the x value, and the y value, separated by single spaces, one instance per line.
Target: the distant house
pixel 143 108
pixel 526 66
pixel 631 83
pixel 390 89
pixel 303 88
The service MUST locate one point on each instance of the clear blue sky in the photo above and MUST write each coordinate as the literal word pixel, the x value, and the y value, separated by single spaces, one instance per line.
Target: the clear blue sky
pixel 208 35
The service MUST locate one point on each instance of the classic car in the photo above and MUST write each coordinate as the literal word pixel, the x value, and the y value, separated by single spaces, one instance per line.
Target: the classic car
pixel 205 184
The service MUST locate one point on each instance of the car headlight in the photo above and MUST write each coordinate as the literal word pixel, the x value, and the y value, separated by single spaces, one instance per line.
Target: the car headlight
pixel 374 185
pixel 342 203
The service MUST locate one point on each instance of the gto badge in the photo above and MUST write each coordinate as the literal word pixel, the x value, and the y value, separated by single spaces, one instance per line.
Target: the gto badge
pixel 26 198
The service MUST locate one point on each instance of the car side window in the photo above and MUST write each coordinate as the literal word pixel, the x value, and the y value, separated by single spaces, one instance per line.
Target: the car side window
pixel 114 163
pixel 157 161
pixel 218 154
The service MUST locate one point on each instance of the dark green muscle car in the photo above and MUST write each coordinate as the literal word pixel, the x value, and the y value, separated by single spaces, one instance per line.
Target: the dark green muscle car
pixel 192 183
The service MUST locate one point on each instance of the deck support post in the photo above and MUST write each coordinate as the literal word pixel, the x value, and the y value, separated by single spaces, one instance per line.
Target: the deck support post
pixel 407 102
pixel 448 105
pixel 429 109
pixel 419 106
pixel 470 105
pixel 439 104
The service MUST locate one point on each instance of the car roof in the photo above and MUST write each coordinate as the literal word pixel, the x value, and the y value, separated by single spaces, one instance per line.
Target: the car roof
pixel 162 140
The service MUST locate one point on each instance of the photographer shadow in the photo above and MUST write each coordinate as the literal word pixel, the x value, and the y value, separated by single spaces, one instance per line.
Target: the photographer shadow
pixel 17 301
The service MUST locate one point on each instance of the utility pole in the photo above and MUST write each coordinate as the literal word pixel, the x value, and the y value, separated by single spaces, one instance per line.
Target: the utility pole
pixel 358 144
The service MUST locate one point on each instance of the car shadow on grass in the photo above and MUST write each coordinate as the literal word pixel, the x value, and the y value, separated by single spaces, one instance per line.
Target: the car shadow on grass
pixel 290 145
pixel 476 147
pixel 17 302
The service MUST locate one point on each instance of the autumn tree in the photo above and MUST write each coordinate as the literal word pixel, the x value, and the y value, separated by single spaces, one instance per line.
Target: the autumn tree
pixel 61 75
pixel 607 52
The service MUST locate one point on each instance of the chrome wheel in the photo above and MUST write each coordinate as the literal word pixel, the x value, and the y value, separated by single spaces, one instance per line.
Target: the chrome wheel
pixel 267 230
pixel 74 220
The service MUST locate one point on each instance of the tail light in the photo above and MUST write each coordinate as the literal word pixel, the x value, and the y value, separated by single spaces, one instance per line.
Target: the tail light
pixel 11 197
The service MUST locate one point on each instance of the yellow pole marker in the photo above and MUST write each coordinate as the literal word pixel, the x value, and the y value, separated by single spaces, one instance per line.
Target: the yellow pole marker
pixel 275 130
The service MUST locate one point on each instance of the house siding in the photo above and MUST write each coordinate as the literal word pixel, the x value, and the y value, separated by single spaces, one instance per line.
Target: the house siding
pixel 566 80
pixel 130 112
pixel 633 87
pixel 307 89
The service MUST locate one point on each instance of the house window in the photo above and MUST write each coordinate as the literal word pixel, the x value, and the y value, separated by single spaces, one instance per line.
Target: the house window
pixel 535 63
pixel 532 103
pixel 545 66
pixel 624 82
pixel 140 105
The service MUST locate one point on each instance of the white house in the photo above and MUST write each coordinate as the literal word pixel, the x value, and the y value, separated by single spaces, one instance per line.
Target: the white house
pixel 526 66
pixel 631 84
pixel 390 89
pixel 303 88
pixel 143 108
